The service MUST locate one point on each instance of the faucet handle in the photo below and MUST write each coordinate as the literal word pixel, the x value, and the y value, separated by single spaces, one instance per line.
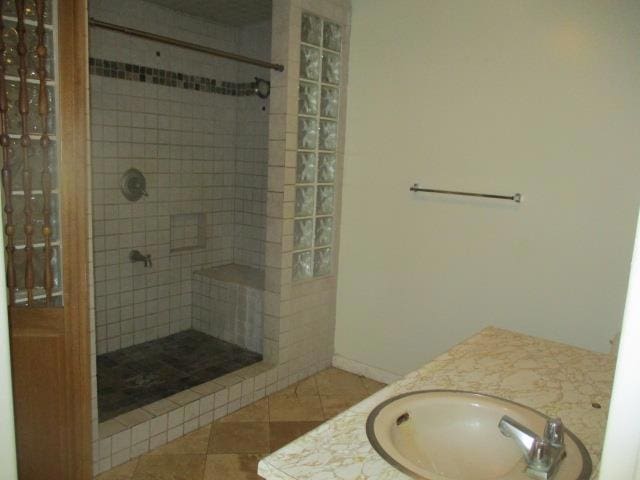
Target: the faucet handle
pixel 554 432
pixel 540 454
pixel 147 260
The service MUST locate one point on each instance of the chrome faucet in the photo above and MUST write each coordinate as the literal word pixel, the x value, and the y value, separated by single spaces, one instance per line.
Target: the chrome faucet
pixel 542 454
pixel 136 256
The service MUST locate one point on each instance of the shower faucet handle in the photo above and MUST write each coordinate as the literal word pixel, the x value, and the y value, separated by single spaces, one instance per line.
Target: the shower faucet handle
pixel 136 256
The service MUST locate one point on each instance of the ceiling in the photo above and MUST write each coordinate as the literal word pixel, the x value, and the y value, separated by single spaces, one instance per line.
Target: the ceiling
pixel 227 12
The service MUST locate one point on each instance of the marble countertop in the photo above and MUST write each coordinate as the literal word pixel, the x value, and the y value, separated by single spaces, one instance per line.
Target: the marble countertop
pixel 557 379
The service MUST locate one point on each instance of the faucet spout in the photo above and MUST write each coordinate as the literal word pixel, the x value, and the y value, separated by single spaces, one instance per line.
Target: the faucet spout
pixel 136 256
pixel 523 436
pixel 542 454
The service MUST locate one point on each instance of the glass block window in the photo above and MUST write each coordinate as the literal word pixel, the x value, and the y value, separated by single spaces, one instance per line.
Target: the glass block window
pixel 318 108
pixel 31 212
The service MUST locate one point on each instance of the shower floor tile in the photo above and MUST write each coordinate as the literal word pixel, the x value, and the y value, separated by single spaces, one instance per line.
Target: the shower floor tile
pixel 139 375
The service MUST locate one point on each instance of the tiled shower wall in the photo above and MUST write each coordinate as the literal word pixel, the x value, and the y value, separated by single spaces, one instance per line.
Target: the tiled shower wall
pixel 204 158
pixel 252 130
pixel 299 315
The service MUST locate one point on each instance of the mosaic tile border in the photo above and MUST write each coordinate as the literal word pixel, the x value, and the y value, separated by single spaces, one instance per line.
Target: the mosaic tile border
pixel 158 76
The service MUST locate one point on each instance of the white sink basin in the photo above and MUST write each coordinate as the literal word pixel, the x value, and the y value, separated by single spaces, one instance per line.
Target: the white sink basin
pixel 454 435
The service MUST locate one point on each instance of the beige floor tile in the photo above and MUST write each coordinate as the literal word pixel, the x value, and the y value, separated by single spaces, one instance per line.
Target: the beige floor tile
pixel 232 467
pixel 231 448
pixel 295 409
pixel 170 467
pixel 192 443
pixel 338 382
pixel 332 405
pixel 256 412
pixel 281 433
pixel 239 437
pixel 371 385
pixel 302 388
pixel 121 472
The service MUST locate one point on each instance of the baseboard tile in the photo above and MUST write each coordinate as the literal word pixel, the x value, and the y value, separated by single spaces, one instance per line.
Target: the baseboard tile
pixel 365 370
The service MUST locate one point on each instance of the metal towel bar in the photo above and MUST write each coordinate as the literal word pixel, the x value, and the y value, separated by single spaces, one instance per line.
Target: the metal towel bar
pixel 516 197
pixel 180 43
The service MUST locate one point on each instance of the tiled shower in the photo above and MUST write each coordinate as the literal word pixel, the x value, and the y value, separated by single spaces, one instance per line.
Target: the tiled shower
pixel 186 254
pixel 239 225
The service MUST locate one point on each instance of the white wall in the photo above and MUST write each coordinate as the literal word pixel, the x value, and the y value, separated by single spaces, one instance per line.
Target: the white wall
pixel 621 453
pixel 539 97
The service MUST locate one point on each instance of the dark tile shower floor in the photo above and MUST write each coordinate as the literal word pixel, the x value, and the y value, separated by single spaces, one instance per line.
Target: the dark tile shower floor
pixel 136 376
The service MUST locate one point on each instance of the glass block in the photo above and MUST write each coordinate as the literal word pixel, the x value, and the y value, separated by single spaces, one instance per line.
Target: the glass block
pixel 13 109
pixel 332 36
pixel 19 259
pixel 309 63
pixel 35 160
pixel 307 133
pixel 325 200
pixel 330 68
pixel 324 231
pixel 12 59
pixel 308 98
pixel 322 262
pixel 304 201
pixel 306 171
pixel 37 215
pixel 311 29
pixel 329 103
pixel 327 168
pixel 303 234
pixel 9 9
pixel 302 265
pixel 328 135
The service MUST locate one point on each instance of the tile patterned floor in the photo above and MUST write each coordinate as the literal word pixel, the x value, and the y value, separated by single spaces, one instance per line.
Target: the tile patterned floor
pixel 139 375
pixel 229 449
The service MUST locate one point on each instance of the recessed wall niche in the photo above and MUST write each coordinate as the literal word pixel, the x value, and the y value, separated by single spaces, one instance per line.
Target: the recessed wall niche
pixel 188 232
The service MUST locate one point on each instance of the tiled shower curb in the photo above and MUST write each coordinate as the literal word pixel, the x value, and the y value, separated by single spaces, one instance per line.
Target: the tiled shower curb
pixel 135 433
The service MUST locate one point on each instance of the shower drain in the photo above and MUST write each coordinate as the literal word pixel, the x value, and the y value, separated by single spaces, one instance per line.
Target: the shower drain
pixel 144 379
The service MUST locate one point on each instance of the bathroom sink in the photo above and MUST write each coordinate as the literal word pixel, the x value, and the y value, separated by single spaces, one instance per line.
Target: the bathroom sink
pixel 454 435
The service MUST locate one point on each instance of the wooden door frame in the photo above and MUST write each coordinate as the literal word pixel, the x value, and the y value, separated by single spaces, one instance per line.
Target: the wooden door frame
pixel 74 138
pixel 51 345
